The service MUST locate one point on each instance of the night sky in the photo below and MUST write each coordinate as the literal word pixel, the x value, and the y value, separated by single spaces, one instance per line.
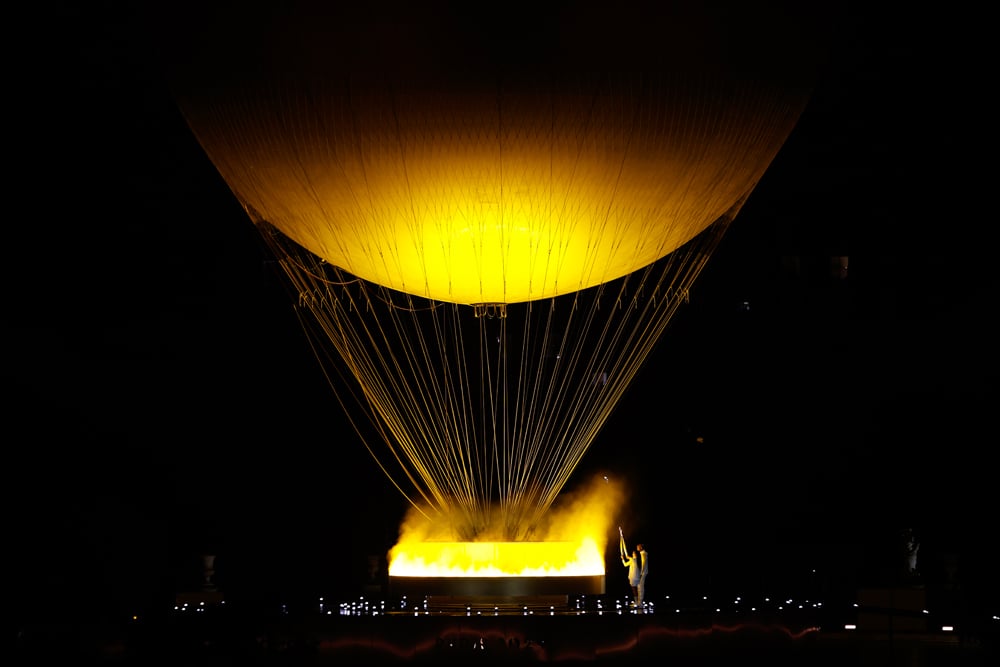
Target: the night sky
pixel 161 401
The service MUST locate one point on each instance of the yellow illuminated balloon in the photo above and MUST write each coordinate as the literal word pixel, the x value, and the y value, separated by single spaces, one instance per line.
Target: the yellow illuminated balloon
pixel 453 166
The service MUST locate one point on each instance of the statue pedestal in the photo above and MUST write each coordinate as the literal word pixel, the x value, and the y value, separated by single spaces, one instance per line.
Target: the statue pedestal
pixel 894 609
pixel 209 594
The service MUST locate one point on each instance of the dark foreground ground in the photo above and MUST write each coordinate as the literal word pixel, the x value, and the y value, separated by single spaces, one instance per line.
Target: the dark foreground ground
pixel 582 630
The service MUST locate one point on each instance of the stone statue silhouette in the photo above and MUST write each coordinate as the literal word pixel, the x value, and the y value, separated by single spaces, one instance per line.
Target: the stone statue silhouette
pixel 911 547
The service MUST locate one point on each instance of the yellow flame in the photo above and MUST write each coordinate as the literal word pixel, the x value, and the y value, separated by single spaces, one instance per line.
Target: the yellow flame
pixel 499 559
pixel 570 543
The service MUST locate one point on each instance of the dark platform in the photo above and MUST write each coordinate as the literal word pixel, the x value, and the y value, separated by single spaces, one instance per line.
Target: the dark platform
pixel 475 604
pixel 696 631
pixel 495 587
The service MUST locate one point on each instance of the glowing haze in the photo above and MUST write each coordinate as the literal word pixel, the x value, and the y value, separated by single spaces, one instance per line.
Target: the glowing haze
pixel 570 543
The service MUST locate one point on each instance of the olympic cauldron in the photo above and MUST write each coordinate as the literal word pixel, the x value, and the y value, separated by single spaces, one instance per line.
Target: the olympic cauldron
pixel 497 574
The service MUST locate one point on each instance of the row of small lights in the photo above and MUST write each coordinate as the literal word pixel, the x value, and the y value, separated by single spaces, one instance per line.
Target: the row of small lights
pixel 201 607
pixel 364 607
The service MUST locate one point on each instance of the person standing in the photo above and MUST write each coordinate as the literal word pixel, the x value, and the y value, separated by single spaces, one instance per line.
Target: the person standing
pixel 632 562
pixel 643 571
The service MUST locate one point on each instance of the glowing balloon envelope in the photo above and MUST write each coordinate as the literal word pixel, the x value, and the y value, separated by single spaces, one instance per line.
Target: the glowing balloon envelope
pixel 408 157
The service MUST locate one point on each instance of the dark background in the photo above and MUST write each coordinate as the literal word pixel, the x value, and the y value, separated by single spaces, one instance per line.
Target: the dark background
pixel 161 402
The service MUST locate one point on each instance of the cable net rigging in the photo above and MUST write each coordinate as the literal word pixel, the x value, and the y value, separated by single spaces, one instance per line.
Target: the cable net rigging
pixel 481 415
